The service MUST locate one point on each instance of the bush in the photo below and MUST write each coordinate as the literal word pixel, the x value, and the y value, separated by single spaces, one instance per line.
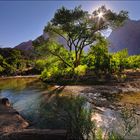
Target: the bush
pixel 40 65
pixel 1 69
pixel 51 74
pixel 118 61
pixel 133 62
pixel 80 70
pixel 114 136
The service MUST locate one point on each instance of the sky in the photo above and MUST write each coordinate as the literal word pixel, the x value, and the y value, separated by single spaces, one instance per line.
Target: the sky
pixel 25 20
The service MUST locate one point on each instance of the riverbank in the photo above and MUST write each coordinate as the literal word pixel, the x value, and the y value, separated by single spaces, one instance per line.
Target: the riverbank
pixel 19 76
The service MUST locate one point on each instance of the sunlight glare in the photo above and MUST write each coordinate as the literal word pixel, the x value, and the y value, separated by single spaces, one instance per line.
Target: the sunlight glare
pixel 100 15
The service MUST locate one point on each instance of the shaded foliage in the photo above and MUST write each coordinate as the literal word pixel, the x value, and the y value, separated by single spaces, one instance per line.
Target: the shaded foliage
pixel 13 61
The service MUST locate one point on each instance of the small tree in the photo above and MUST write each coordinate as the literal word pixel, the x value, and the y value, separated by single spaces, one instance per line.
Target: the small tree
pixel 101 59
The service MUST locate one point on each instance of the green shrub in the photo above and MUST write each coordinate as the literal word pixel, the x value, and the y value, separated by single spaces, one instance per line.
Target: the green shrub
pixel 118 61
pixel 80 70
pixel 1 69
pixel 114 136
pixel 133 62
pixel 99 134
pixel 40 64
pixel 99 58
pixel 48 74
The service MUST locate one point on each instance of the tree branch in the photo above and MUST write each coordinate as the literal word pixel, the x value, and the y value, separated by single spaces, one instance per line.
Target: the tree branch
pixel 60 35
pixel 55 54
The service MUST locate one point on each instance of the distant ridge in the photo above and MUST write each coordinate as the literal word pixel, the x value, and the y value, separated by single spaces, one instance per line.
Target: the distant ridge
pixel 25 46
pixel 127 36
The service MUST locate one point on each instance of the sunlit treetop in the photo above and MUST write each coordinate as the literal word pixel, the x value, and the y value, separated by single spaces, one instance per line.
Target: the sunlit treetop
pixel 107 17
pixel 75 20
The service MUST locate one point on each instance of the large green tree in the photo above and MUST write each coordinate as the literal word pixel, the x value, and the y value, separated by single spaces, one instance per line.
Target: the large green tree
pixel 78 29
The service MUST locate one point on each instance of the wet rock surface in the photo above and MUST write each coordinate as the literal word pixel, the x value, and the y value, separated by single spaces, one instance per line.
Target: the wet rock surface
pixel 10 120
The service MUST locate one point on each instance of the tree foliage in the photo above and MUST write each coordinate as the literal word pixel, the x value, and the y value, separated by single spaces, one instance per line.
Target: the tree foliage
pixel 78 29
pixel 99 58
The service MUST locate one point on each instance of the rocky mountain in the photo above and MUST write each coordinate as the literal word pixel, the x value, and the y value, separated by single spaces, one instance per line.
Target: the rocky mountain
pixel 25 46
pixel 28 46
pixel 127 36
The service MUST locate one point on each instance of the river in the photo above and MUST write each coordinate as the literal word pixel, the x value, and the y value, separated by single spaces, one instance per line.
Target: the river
pixel 29 96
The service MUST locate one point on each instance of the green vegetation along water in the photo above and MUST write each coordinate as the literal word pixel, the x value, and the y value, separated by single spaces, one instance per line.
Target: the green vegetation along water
pixel 35 99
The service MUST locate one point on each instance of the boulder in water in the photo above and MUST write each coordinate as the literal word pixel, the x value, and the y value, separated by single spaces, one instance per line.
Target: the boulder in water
pixel 5 102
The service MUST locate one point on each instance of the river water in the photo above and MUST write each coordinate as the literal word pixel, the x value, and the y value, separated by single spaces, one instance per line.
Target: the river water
pixel 30 97
pixel 27 96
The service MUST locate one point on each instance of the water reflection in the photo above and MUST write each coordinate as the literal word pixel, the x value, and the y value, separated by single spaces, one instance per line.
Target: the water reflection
pixel 29 96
